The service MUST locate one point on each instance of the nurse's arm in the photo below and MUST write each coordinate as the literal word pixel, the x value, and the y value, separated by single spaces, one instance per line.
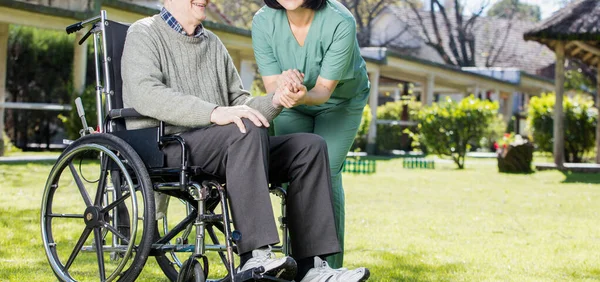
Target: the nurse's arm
pixel 291 76
pixel 321 92
pixel 270 82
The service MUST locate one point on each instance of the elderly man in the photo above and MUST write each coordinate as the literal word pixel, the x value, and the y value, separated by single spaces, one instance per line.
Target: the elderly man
pixel 176 71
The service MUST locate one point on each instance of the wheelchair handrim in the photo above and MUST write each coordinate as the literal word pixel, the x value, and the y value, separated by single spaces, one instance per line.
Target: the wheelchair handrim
pixel 63 275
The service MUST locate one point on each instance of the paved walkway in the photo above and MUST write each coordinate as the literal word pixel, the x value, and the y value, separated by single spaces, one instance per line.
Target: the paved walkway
pixel 28 159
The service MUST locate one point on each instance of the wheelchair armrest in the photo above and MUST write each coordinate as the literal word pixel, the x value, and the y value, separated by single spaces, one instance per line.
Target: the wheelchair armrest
pixel 123 113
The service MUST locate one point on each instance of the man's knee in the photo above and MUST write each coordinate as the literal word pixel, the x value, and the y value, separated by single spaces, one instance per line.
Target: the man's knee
pixel 254 132
pixel 311 141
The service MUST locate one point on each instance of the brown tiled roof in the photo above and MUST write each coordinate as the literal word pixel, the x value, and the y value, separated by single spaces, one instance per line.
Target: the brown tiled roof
pixel 489 33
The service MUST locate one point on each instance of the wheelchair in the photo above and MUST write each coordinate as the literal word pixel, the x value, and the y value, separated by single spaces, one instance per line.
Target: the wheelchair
pixel 98 208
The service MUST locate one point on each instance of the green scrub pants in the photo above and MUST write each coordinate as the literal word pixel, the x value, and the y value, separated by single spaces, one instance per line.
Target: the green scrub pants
pixel 337 121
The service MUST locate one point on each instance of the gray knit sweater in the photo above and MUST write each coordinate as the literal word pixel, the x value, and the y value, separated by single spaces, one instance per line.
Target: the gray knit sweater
pixel 180 79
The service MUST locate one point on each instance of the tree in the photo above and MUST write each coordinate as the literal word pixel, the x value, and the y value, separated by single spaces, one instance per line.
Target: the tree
pixel 452 34
pixel 458 32
pixel 449 128
pixel 366 11
pixel 514 8
pixel 580 124
pixel 240 12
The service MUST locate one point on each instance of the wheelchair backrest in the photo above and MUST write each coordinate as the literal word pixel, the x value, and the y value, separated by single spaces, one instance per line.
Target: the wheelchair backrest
pixel 115 38
pixel 143 141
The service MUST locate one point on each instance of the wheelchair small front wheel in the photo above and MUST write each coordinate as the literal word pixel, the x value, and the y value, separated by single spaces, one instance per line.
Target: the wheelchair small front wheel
pixel 94 199
pixel 191 272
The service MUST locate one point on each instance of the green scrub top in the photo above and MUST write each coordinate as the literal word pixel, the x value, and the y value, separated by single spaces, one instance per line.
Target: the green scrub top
pixel 330 49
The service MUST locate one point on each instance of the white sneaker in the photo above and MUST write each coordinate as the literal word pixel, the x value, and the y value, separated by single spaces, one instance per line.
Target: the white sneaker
pixel 283 268
pixel 323 273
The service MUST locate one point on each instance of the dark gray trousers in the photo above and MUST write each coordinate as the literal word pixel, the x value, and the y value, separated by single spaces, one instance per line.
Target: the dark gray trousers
pixel 249 162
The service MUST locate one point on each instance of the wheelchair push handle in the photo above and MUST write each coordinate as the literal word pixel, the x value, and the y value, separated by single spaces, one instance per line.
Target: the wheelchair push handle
pixel 74 27
pixel 79 25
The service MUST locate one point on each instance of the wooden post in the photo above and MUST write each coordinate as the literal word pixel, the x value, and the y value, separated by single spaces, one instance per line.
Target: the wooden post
pixel 79 63
pixel 429 89
pixel 508 109
pixel 559 123
pixel 247 73
pixel 598 108
pixel 373 103
pixel 3 58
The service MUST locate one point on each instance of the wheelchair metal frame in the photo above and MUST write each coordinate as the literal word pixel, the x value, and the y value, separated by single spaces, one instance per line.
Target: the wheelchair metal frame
pixel 201 197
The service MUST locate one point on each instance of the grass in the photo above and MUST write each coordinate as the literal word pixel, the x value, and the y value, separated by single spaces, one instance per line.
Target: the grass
pixel 405 225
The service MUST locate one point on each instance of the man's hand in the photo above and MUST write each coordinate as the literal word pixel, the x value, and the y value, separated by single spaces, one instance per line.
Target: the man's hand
pixel 234 114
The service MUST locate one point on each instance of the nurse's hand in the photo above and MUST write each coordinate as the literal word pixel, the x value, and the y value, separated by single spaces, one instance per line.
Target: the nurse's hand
pixel 291 77
pixel 290 99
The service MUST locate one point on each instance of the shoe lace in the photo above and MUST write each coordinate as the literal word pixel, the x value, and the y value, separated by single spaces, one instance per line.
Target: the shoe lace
pixel 267 256
pixel 325 267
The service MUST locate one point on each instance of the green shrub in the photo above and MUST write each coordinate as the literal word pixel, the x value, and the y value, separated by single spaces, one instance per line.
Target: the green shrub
pixel 580 123
pixel 7 146
pixel 494 132
pixel 39 69
pixel 390 137
pixel 448 128
pixel 360 141
pixel 72 122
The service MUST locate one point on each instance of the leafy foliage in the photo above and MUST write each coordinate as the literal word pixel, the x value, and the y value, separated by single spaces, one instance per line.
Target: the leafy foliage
pixel 72 121
pixel 38 70
pixel 449 128
pixel 580 123
pixel 7 146
pixel 360 141
pixel 494 132
pixel 523 11
pixel 390 137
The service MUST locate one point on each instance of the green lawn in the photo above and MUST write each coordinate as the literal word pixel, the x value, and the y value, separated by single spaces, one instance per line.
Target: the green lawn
pixel 405 225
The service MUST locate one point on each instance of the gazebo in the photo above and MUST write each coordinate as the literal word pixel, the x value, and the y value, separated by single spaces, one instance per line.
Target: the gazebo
pixel 573 32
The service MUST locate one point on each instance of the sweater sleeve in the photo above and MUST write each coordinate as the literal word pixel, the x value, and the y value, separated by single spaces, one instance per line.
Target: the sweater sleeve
pixel 239 96
pixel 145 91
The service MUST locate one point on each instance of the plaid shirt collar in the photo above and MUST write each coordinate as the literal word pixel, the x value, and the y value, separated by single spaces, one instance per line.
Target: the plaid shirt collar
pixel 173 23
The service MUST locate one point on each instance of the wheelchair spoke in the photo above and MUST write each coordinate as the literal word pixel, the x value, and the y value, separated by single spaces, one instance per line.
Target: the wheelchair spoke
pixel 77 249
pixel 99 252
pixel 116 232
pixel 84 193
pixel 115 203
pixel 101 182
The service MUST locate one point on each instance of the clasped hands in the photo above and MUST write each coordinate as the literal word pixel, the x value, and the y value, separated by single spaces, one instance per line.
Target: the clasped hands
pixel 290 90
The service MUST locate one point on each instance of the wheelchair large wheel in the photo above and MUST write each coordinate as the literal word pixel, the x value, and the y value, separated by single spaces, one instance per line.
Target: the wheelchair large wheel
pixel 95 197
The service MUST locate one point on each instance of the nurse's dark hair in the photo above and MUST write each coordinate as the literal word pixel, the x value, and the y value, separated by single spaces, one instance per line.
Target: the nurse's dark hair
pixel 310 4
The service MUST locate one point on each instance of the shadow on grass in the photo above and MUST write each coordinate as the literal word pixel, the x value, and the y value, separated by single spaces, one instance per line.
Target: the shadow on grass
pixel 575 177
pixel 593 274
pixel 411 267
pixel 517 173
